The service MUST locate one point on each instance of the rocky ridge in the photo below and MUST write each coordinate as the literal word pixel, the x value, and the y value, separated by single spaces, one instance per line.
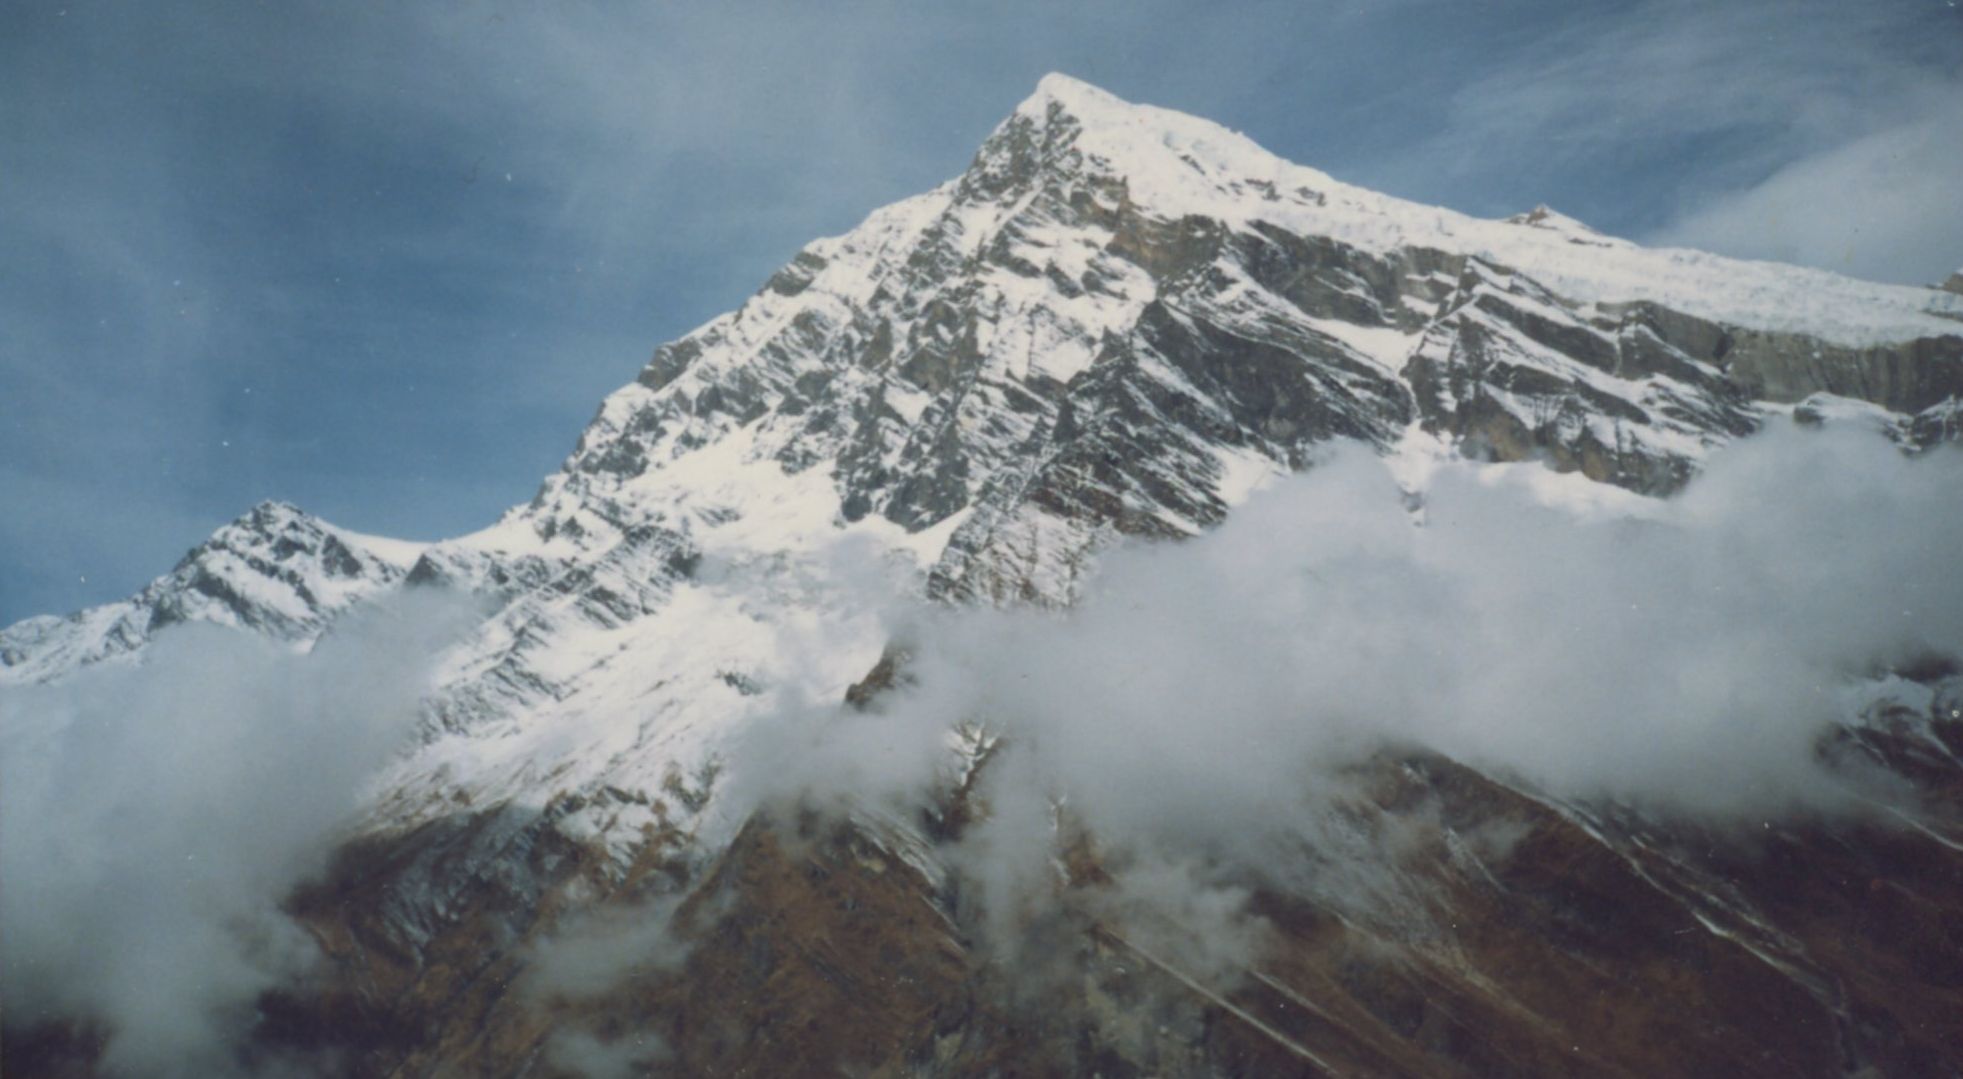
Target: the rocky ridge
pixel 276 571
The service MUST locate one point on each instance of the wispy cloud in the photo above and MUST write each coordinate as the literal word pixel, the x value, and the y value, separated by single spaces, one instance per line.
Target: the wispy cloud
pixel 1810 131
pixel 1870 207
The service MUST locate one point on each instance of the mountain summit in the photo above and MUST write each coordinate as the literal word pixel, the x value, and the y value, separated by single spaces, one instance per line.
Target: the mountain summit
pixel 1114 326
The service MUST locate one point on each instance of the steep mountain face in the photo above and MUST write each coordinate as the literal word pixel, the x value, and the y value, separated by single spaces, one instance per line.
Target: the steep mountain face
pixel 1116 323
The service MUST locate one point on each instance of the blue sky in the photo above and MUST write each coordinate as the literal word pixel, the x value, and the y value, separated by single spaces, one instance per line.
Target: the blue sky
pixel 383 260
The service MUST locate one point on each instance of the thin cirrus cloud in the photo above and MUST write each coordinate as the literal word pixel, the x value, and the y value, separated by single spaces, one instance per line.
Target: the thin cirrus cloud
pixel 1814 133
pixel 1862 207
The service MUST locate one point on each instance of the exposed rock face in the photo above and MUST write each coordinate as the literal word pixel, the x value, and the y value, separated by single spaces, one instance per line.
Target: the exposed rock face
pixel 1115 323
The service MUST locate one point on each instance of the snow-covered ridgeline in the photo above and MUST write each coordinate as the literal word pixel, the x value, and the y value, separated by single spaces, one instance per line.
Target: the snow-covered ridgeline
pixel 1179 162
pixel 276 571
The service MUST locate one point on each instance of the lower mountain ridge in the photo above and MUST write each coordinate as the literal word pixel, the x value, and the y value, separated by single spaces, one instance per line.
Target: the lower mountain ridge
pixel 1108 334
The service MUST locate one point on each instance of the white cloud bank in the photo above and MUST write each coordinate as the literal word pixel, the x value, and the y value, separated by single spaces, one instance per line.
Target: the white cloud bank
pixel 1203 701
pixel 1198 713
pixel 155 817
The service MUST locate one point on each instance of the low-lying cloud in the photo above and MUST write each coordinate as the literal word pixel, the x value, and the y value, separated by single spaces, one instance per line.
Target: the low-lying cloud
pixel 576 1052
pixel 1206 697
pixel 156 815
pixel 596 951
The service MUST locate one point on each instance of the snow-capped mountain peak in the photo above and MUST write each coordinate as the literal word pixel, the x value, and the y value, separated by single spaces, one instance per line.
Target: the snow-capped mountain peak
pixel 1117 323
pixel 1180 163
pixel 1118 320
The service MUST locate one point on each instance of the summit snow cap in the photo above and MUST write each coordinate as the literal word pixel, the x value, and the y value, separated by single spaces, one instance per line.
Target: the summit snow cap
pixel 1179 166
